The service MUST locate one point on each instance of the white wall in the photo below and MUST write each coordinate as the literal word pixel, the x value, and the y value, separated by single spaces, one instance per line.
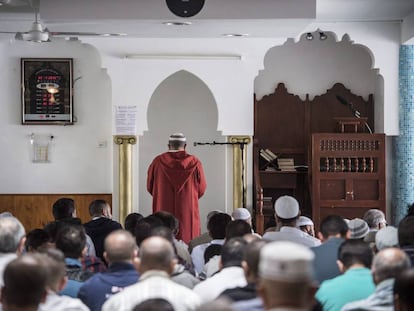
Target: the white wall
pixel 314 66
pixel 77 165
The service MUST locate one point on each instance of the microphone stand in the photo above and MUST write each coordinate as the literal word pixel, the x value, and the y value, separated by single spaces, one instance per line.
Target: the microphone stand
pixel 355 112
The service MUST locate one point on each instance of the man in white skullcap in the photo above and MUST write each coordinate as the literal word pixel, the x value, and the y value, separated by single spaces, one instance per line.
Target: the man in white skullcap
pixel 242 213
pixel 286 214
pixel 285 276
pixel 306 225
pixel 176 181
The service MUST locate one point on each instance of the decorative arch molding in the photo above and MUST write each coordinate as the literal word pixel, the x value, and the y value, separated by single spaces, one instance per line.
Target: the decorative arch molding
pixel 376 47
pixel 382 41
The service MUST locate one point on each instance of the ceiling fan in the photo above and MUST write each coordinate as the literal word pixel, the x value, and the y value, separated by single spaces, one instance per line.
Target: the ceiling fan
pixel 38 33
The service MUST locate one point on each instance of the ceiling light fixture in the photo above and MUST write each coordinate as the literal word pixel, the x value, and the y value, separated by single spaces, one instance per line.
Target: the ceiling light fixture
pixel 309 36
pixel 113 35
pixel 177 23
pixel 322 36
pixel 232 35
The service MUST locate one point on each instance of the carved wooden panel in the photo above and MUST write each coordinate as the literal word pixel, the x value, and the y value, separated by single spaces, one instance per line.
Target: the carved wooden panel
pixel 348 174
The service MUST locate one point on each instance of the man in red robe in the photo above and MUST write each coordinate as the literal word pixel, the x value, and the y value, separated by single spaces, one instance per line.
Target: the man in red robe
pixel 176 181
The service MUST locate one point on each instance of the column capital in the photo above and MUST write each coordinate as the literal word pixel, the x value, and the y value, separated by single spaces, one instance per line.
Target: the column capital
pixel 240 139
pixel 125 139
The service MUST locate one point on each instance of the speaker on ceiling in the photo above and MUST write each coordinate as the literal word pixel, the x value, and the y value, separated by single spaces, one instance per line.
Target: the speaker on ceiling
pixel 185 8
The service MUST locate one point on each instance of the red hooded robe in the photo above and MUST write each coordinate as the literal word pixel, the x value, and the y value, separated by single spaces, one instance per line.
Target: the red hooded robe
pixel 176 181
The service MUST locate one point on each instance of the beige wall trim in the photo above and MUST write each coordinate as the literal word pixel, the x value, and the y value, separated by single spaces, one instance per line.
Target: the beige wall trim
pixel 125 143
pixel 239 169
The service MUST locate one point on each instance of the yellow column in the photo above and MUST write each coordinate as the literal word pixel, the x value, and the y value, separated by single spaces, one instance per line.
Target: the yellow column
pixel 239 167
pixel 125 143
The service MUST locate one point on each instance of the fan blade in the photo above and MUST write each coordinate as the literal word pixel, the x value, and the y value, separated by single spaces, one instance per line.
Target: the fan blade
pixel 79 34
pixel 14 2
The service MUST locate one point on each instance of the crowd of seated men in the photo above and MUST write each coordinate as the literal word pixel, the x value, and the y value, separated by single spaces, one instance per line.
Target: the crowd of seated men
pixel 356 264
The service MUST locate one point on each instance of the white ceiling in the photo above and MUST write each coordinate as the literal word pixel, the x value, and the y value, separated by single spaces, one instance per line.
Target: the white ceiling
pixel 144 18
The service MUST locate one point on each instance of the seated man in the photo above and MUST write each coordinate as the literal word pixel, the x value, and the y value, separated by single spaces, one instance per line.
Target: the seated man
pixel 230 275
pixel 204 237
pixel 71 241
pixel 121 254
pixel 24 283
pixel 358 229
pixel 235 229
pixel 217 228
pixel 250 265
pixel 355 283
pixel 387 265
pixel 64 209
pixel 306 225
pixel 171 222
pixel 12 239
pixel 375 219
pixel 156 263
pixel 285 277
pixel 56 281
pixel 286 213
pixel 333 232
pixel 37 240
pixel 101 225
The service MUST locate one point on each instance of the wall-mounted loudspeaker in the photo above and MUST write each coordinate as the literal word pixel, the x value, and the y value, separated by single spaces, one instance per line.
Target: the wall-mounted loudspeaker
pixel 185 8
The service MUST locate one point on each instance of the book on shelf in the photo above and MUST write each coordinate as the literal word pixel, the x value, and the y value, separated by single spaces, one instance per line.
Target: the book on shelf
pixel 286 164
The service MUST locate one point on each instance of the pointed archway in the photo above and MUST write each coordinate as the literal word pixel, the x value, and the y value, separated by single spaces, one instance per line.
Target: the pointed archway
pixel 183 103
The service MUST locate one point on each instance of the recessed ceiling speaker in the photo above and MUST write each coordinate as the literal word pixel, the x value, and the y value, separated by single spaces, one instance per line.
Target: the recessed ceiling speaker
pixel 185 8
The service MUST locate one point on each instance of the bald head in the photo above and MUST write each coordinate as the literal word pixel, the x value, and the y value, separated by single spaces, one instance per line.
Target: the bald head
pixel 389 263
pixel 120 246
pixel 156 253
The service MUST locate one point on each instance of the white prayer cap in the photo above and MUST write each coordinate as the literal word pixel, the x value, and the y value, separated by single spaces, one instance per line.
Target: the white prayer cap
pixel 304 221
pixel 358 228
pixel 386 237
pixel 286 207
pixel 6 214
pixel 241 213
pixel 177 137
pixel 286 261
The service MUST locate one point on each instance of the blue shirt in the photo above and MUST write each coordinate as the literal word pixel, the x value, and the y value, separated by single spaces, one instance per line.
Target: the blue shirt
pixel 96 290
pixel 354 284
pixel 72 286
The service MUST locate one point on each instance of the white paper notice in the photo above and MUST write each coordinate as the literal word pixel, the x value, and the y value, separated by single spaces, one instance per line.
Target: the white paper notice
pixel 126 120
